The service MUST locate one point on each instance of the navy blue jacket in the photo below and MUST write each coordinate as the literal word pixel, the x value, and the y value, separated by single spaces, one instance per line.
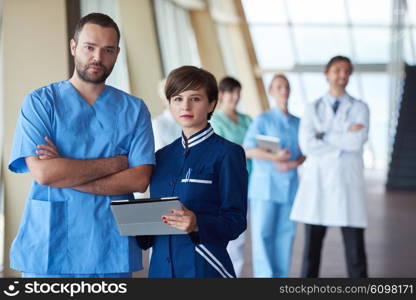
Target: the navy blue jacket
pixel 209 175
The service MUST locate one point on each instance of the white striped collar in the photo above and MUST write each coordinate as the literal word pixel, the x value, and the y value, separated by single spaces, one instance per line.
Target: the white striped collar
pixel 198 137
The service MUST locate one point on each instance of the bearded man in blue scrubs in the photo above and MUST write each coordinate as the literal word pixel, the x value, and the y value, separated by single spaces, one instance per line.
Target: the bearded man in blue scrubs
pixel 85 144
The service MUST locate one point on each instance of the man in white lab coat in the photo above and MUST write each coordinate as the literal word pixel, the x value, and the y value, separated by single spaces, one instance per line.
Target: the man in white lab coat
pixel 332 134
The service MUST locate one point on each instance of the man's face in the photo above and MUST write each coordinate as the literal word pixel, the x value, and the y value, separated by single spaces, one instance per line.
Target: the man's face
pixel 339 74
pixel 95 53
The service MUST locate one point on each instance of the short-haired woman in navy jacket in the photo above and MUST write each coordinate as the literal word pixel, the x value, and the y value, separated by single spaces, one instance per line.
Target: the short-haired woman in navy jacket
pixel 209 175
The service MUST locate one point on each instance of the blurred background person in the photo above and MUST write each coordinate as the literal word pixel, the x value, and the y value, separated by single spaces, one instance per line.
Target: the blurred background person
pixel 232 125
pixel 273 184
pixel 165 129
pixel 333 132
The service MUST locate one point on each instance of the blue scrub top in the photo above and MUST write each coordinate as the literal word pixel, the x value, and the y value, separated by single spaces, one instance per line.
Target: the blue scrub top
pixel 210 177
pixel 64 231
pixel 266 181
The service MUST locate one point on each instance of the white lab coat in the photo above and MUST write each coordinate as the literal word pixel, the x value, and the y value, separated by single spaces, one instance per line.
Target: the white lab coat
pixel 331 190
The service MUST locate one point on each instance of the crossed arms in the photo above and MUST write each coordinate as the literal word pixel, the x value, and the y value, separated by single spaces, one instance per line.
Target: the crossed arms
pixel 103 176
pixel 352 139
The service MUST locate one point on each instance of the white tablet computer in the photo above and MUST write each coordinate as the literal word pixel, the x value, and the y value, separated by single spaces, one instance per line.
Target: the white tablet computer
pixel 268 143
pixel 143 216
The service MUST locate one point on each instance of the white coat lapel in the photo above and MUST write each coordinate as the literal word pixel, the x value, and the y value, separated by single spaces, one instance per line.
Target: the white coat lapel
pixel 324 115
pixel 343 111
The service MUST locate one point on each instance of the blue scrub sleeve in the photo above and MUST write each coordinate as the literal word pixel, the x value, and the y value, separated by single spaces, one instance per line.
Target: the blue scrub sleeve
pixel 33 124
pixel 142 148
pixel 231 219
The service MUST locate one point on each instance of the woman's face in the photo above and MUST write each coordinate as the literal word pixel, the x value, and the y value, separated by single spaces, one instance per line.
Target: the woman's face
pixel 280 91
pixel 190 109
pixel 230 99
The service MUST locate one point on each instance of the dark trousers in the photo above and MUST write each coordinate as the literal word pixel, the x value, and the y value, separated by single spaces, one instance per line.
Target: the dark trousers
pixel 353 245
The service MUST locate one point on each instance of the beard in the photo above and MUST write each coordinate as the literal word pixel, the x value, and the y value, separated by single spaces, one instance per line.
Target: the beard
pixel 96 79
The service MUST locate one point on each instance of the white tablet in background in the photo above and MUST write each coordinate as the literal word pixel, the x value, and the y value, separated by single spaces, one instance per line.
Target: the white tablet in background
pixel 268 143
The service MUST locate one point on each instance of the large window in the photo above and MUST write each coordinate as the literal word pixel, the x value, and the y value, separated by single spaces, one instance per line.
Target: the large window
pixel 176 37
pixel 298 37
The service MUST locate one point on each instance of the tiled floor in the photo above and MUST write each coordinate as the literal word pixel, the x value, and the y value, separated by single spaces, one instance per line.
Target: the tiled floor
pixel 390 237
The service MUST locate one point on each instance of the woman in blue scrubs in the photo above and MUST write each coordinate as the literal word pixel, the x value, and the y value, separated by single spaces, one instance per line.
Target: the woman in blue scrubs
pixel 273 184
pixel 209 175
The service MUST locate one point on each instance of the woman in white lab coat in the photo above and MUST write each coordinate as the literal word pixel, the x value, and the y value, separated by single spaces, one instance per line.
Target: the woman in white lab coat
pixel 332 134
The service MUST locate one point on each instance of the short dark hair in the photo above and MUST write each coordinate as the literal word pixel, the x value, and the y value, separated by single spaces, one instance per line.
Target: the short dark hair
pixel 336 59
pixel 187 78
pixel 97 19
pixel 229 84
